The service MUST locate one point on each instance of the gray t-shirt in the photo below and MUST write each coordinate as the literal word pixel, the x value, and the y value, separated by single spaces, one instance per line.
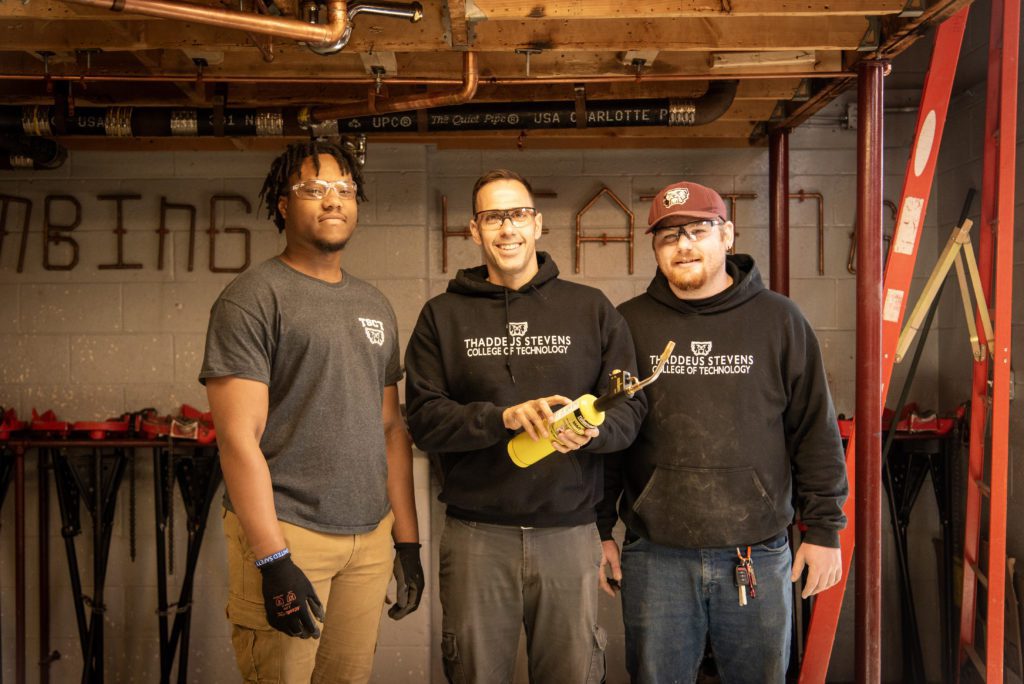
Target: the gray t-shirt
pixel 326 352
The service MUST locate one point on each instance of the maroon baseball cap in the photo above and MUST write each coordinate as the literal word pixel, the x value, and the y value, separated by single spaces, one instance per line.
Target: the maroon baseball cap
pixel 690 200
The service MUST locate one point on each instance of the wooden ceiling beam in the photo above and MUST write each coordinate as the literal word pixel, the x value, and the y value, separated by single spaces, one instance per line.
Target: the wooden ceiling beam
pixel 504 10
pixel 295 62
pixel 588 35
pixel 512 10
pixel 677 34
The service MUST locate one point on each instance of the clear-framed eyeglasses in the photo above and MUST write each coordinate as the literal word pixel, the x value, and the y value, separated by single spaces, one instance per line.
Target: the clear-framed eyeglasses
pixel 493 219
pixel 317 189
pixel 695 231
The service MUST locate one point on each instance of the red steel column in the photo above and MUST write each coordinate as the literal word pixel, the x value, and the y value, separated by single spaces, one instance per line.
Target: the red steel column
pixel 778 200
pixel 19 565
pixel 869 373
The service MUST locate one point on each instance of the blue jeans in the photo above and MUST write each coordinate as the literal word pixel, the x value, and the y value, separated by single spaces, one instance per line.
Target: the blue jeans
pixel 673 599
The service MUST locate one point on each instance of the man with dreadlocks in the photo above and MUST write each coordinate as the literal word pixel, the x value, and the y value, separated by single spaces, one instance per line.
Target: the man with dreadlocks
pixel 301 370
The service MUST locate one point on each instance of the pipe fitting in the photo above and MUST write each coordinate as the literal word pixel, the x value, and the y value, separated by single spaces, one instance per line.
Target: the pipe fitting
pixel 706 108
pixel 413 12
pixel 325 38
pixel 470 80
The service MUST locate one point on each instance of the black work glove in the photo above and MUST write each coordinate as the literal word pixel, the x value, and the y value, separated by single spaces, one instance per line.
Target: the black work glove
pixel 286 593
pixel 408 580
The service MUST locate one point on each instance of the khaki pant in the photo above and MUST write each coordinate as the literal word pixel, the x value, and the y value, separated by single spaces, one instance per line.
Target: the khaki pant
pixel 350 574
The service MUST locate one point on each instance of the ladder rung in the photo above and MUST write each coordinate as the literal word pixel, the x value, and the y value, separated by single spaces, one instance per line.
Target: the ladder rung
pixel 983 488
pixel 976 659
pixel 977 572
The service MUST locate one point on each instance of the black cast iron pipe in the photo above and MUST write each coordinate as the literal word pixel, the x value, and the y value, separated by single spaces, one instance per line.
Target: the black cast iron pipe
pixel 247 122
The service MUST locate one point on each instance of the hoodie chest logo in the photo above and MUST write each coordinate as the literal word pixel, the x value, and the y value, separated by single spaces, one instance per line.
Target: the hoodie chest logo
pixel 700 361
pixel 700 348
pixel 517 329
pixel 374 330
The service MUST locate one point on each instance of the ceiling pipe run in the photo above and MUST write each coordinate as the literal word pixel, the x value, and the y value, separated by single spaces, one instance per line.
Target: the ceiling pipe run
pixel 31 153
pixel 330 36
pixel 98 76
pixel 404 103
pixel 127 122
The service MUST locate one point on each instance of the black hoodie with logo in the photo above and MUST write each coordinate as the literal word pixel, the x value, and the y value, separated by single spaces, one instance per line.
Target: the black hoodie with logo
pixel 478 349
pixel 740 418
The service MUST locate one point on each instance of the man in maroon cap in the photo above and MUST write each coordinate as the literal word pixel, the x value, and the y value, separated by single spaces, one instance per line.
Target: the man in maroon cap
pixel 738 429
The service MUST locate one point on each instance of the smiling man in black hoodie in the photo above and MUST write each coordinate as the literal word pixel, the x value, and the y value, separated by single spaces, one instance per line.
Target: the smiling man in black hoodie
pixel 740 421
pixel 504 346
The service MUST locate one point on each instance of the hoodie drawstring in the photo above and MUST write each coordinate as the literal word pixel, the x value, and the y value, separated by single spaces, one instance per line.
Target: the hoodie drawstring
pixel 508 351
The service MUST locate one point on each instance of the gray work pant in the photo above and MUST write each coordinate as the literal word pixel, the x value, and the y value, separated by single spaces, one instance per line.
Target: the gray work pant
pixel 497 579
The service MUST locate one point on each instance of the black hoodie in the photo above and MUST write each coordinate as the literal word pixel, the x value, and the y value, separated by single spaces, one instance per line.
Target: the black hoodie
pixel 740 416
pixel 480 348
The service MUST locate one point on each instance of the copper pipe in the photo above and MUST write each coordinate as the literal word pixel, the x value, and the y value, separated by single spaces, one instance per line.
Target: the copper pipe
pixel 731 197
pixel 327 80
pixel 603 237
pixel 778 203
pixel 801 195
pixel 317 35
pixel 470 80
pixel 445 233
pixel 868 437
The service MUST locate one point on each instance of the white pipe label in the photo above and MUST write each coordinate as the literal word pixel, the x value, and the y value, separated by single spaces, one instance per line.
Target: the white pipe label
pixel 893 305
pixel 910 220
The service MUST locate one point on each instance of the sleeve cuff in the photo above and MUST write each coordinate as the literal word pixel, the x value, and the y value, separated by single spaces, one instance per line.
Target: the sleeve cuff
pixel 822 537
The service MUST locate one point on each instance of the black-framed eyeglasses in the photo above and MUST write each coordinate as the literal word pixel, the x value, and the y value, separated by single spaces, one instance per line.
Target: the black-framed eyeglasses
pixel 695 231
pixel 317 189
pixel 492 219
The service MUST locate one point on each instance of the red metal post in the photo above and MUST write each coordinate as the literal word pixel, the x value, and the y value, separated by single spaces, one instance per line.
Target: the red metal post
pixel 1004 227
pixel 869 372
pixel 42 462
pixel 778 200
pixel 917 187
pixel 19 565
pixel 979 383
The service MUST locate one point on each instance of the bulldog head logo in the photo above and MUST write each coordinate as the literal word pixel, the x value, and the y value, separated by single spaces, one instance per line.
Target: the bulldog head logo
pixel 676 196
pixel 700 348
pixel 374 330
pixel 517 329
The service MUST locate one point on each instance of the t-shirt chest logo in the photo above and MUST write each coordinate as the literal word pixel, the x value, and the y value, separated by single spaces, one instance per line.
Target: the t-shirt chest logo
pixel 374 330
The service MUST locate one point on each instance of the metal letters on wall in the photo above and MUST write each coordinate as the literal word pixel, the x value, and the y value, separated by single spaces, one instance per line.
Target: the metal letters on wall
pixel 61 249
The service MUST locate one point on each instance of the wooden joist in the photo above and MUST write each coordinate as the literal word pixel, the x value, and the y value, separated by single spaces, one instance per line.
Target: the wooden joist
pixel 500 10
pixel 375 33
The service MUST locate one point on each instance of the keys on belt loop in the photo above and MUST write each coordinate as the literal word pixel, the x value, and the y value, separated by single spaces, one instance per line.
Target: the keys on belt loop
pixel 745 580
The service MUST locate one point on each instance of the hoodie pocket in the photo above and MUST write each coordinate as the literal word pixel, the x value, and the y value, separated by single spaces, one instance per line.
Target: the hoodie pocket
pixel 693 507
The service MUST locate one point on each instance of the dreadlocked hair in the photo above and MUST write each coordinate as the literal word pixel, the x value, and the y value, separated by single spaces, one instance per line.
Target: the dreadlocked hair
pixel 278 182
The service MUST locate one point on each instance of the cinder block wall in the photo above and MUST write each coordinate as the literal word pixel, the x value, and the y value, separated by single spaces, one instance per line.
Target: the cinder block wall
pixel 92 343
